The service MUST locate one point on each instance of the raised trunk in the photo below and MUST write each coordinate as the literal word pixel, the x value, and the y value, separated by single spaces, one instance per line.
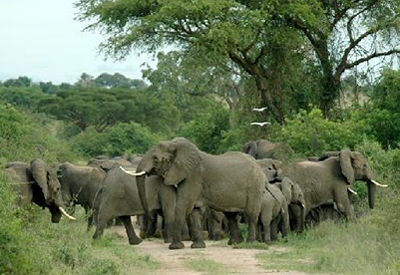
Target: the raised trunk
pixel 141 184
pixel 371 194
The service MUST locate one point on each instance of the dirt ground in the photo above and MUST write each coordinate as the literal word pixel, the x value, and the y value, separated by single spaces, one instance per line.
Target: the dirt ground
pixel 172 262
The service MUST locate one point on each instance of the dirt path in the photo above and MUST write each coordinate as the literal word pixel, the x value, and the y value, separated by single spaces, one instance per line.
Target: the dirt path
pixel 174 262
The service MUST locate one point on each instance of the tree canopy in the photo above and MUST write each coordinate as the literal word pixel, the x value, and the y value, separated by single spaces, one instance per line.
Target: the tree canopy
pixel 274 42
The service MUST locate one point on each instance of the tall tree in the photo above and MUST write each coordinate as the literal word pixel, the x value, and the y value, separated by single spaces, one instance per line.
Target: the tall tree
pixel 259 37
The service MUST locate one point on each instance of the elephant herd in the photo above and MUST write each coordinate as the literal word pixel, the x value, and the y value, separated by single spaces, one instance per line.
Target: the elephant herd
pixel 192 190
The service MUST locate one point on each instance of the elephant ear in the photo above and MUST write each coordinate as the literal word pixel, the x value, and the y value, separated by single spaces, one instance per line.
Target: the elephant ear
pixel 39 173
pixel 287 186
pixel 345 166
pixel 251 149
pixel 186 160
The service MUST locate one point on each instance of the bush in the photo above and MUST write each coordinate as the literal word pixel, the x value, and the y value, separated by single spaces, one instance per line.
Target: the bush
pixel 16 255
pixel 309 134
pixel 207 131
pixel 118 140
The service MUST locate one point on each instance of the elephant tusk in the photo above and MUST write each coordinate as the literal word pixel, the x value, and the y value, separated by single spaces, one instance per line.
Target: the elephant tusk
pixel 351 191
pixel 378 184
pixel 66 214
pixel 133 173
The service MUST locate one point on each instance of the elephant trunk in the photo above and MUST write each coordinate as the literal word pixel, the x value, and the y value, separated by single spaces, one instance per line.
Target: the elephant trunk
pixel 141 184
pixel 371 194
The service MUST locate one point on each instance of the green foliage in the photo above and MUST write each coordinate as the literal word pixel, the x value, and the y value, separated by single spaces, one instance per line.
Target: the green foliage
pixel 116 141
pixel 22 138
pixel 21 96
pixel 309 134
pixel 22 81
pixel 13 259
pixel 207 130
pixel 383 114
pixel 103 108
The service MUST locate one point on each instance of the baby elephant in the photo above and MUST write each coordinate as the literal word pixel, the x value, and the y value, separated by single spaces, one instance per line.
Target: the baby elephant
pixel 274 216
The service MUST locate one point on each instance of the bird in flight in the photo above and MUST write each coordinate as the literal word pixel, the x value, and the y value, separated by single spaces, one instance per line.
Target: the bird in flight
pixel 260 109
pixel 261 123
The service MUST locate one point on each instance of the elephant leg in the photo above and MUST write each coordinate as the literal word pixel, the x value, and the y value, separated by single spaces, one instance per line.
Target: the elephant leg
pixel 133 239
pixel 235 233
pixel 167 195
pixel 187 194
pixel 284 223
pixel 265 219
pixel 252 224
pixel 343 204
pixel 274 229
pixel 100 226
pixel 195 226
pixel 296 218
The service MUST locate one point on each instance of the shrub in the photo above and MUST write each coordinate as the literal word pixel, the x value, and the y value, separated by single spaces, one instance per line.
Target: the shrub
pixel 309 134
pixel 120 139
pixel 208 130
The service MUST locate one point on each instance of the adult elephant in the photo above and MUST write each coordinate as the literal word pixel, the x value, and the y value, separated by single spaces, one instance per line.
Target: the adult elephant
pixel 79 186
pixel 231 183
pixel 328 181
pixel 260 149
pixel 119 198
pixel 37 182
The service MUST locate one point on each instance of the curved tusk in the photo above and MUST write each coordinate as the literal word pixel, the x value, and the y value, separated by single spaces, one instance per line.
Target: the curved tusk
pixel 133 173
pixel 351 191
pixel 66 214
pixel 378 184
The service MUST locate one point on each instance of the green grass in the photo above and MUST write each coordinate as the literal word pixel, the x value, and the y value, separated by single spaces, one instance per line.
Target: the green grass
pixel 207 266
pixel 67 248
pixel 369 246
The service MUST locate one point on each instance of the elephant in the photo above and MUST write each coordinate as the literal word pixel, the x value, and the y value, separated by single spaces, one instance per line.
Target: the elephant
pixel 79 186
pixel 215 223
pixel 37 182
pixel 119 198
pixel 230 183
pixel 106 163
pixel 329 180
pixel 294 196
pixel 274 207
pixel 260 149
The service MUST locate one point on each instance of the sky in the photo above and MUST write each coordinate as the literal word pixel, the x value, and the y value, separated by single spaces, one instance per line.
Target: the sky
pixel 41 40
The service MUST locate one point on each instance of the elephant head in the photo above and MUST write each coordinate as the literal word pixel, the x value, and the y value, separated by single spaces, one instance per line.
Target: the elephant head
pixel 47 178
pixel 174 161
pixel 271 168
pixel 250 148
pixel 354 167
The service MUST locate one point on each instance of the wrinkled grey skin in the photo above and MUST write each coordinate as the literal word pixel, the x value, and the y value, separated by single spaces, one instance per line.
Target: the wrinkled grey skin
pixel 274 207
pixel 119 198
pixel 230 183
pixel 294 197
pixel 79 185
pixel 216 224
pixel 107 163
pixel 260 149
pixel 37 182
pixel 326 181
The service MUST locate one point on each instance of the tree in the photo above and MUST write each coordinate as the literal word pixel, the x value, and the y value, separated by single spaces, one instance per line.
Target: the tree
pixel 85 80
pixel 103 108
pixel 262 38
pixel 118 80
pixel 21 81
